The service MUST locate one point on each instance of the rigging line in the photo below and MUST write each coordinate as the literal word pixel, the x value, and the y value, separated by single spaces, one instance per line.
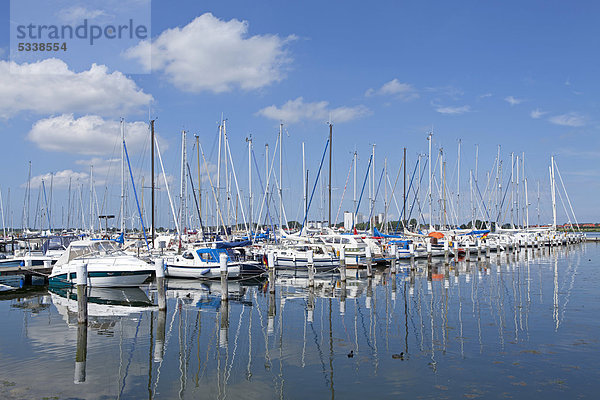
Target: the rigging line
pixel 162 167
pixel 345 187
pixel 262 203
pixel 213 192
pixel 362 190
pixel 416 198
pixel 315 186
pixel 567 195
pixel 393 194
pixel 136 198
pixel 375 197
pixel 195 199
pixel 409 187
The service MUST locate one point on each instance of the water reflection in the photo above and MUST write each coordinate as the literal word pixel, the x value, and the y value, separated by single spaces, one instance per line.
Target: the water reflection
pixel 462 328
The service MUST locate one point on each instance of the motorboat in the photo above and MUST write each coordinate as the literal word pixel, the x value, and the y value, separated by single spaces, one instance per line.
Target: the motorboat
pixel 107 265
pixel 203 263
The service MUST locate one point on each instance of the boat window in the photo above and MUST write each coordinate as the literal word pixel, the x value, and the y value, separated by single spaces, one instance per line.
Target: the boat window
pixel 346 241
pixel 359 240
pixel 204 256
pixel 188 256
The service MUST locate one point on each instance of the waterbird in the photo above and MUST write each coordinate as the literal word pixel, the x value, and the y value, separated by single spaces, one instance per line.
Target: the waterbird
pixel 398 356
pixel 351 354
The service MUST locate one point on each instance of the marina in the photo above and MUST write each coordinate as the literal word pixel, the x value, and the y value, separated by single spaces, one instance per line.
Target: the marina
pixel 516 324
pixel 298 200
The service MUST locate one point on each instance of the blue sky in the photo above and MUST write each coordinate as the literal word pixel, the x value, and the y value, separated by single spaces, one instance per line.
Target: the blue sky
pixel 522 75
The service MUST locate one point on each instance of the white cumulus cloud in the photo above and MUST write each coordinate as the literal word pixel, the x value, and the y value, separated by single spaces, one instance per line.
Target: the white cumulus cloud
pixel 572 119
pixel 58 179
pixel 298 110
pixel 513 101
pixel 88 135
pixel 210 54
pixel 49 86
pixel 453 110
pixel 404 91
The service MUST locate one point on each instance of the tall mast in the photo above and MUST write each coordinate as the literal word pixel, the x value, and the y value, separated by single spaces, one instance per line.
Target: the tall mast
pixel 266 175
pixel 218 198
pixel 517 202
pixel 152 229
pixel 227 186
pixel 199 181
pixel 91 199
pixel 28 194
pixel 280 176
pixel 430 138
pixel 69 206
pixel 458 188
pixel 526 205
pixel 2 211
pixel 330 158
pixel 538 205
pixel 373 186
pixel 512 189
pixel 441 201
pixel 122 177
pixel 523 211
pixel 471 197
pixel 249 140
pixel 354 208
pixel 553 188
pixel 385 207
pixel 182 193
pixel 404 195
pixel 444 190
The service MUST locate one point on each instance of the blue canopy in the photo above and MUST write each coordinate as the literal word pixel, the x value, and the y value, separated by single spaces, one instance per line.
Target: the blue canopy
pixel 231 245
pixel 379 234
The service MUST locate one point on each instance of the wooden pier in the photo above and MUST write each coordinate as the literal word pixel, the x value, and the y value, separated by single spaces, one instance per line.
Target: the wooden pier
pixel 27 272
pixel 593 239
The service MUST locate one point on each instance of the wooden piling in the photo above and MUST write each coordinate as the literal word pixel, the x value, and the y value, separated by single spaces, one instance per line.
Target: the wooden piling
pixel 160 284
pixel 82 280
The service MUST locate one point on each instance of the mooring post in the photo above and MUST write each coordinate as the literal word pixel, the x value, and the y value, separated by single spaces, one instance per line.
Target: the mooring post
pixel 159 265
pixel 411 251
pixel 82 279
pixel 478 249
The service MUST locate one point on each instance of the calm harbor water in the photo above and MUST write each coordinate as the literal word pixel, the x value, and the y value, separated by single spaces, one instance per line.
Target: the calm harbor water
pixel 511 327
